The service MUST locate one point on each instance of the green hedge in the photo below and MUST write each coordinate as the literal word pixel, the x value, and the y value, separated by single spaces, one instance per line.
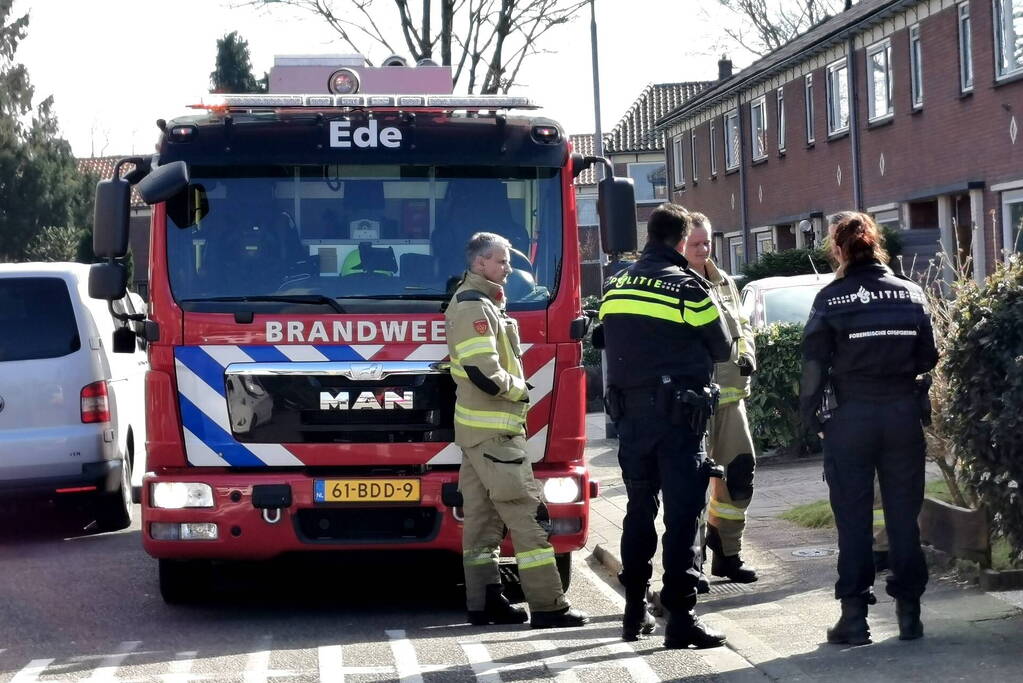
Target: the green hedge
pixel 773 407
pixel 788 262
pixel 591 356
pixel 984 363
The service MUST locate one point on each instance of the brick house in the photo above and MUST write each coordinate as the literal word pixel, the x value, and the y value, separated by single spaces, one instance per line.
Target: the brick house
pixel 907 109
pixel 138 223
pixel 586 210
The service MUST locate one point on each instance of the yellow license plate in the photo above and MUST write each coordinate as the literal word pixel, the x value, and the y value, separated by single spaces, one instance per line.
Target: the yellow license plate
pixel 366 491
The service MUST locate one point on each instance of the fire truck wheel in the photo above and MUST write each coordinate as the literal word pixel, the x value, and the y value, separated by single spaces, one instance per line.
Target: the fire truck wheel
pixel 114 510
pixel 183 581
pixel 564 562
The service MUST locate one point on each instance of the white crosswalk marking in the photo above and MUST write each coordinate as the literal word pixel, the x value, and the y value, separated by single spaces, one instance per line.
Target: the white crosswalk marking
pixel 108 667
pixel 555 661
pixel 31 671
pixel 482 665
pixel 258 663
pixel 405 660
pixel 331 664
pixel 180 668
pixel 637 667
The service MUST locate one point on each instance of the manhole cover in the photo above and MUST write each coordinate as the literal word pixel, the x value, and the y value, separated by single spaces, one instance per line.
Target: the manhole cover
pixel 813 552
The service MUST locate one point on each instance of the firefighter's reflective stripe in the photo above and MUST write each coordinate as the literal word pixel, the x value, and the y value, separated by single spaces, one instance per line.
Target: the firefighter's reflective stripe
pixel 489 419
pixel 724 511
pixel 731 395
pixel 649 309
pixel 478 557
pixel 700 313
pixel 879 518
pixel 531 559
pixel 475 347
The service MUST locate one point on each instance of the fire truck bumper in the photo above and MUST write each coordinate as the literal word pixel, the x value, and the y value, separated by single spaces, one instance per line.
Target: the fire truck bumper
pixel 219 514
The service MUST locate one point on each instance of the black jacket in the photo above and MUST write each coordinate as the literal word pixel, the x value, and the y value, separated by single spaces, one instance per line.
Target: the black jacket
pixel 870 332
pixel 659 319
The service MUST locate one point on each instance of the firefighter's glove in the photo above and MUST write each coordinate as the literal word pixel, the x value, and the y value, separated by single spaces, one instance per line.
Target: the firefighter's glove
pixel 747 366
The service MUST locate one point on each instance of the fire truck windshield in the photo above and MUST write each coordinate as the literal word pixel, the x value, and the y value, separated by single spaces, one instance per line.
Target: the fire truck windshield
pixel 357 232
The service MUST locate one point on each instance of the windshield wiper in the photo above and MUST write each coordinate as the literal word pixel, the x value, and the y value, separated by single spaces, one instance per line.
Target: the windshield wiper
pixel 311 299
pixel 402 297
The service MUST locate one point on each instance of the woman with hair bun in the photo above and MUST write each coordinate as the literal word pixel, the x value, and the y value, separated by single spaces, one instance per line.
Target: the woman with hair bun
pixel 868 338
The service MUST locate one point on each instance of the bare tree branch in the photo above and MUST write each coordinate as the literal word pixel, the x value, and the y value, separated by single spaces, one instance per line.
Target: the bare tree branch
pixel 773 23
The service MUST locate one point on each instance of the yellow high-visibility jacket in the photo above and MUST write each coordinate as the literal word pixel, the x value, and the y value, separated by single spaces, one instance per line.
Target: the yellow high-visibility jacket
pixel 492 397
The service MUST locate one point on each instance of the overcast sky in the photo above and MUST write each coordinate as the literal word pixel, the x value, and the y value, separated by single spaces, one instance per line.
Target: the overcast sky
pixel 115 66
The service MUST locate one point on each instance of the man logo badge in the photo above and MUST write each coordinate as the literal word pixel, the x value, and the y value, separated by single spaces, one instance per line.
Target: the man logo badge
pixel 366 372
pixel 366 400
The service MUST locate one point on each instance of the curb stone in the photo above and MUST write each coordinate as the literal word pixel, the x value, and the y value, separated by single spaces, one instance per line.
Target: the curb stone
pixel 607 558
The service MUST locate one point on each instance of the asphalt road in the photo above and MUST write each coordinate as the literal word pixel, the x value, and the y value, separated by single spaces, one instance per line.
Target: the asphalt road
pixel 80 606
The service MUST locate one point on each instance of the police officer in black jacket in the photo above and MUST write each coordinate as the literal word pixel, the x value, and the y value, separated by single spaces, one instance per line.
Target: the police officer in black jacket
pixel 868 338
pixel 663 333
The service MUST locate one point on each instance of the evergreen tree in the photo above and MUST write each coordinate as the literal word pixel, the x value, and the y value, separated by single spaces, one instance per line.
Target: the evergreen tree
pixel 233 72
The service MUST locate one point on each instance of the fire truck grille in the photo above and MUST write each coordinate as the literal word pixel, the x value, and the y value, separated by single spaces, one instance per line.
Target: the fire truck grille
pixel 366 525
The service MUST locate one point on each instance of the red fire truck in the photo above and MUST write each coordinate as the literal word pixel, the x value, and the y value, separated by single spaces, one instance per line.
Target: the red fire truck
pixel 303 246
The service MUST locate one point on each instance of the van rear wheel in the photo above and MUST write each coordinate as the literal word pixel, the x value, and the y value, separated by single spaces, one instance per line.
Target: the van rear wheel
pixel 114 510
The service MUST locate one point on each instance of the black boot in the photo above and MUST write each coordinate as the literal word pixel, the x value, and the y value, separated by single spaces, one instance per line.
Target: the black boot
pixel 636 621
pixel 727 566
pixel 497 609
pixel 562 618
pixel 851 628
pixel 702 584
pixel 908 612
pixel 685 629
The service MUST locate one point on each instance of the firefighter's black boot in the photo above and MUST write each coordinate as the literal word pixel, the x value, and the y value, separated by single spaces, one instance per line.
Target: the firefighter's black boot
pixel 497 609
pixel 727 566
pixel 851 628
pixel 908 612
pixel 685 629
pixel 636 621
pixel 562 618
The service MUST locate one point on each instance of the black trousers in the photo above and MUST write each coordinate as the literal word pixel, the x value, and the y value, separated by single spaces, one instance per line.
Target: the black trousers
pixel 659 458
pixel 865 436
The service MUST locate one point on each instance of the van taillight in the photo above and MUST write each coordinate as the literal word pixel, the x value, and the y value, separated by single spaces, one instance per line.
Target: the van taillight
pixel 95 406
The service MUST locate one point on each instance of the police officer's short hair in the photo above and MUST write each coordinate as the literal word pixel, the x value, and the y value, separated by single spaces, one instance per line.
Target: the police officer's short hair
pixel 481 244
pixel 668 224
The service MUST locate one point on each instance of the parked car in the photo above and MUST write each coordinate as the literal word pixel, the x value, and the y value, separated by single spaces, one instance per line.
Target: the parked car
pixel 781 299
pixel 72 412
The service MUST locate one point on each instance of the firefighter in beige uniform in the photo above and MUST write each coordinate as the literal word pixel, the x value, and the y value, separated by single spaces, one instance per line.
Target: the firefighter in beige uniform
pixel 731 444
pixel 496 477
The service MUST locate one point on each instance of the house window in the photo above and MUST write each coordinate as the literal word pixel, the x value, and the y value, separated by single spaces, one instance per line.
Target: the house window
pixel 808 89
pixel 713 149
pixel 677 162
pixel 879 80
pixel 586 210
pixel 765 243
pixel 780 118
pixel 916 67
pixel 732 140
pixel 1012 221
pixel 651 181
pixel 758 128
pixel 692 155
pixel 965 49
pixel 736 255
pixel 838 97
pixel 589 234
pixel 1008 37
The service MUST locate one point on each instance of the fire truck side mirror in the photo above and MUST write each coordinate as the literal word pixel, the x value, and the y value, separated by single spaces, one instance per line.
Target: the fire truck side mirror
pixel 107 280
pixel 616 206
pixel 110 218
pixel 164 182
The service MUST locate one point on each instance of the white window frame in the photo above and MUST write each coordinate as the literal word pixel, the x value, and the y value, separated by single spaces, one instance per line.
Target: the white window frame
pixel 1008 230
pixel 692 156
pixel 678 166
pixel 965 48
pixel 761 104
pixel 713 149
pixel 762 237
pixel 809 106
pixel 735 248
pixel 916 67
pixel 1000 21
pixel 885 47
pixel 733 114
pixel 833 69
pixel 654 200
pixel 780 117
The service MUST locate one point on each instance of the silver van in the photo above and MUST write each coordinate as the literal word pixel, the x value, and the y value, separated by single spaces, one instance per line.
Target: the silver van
pixel 72 412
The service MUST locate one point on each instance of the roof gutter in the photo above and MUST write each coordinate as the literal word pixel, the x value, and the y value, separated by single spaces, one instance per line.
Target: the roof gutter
pixel 751 79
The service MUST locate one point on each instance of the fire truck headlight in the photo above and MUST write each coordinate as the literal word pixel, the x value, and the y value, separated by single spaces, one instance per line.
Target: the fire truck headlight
pixel 175 495
pixel 561 490
pixel 343 82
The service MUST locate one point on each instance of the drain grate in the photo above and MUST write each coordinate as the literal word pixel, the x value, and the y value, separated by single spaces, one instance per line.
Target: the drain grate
pixel 813 552
pixel 730 588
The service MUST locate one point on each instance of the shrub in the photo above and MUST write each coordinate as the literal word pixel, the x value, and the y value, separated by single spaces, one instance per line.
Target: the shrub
pixel 773 406
pixel 788 262
pixel 984 364
pixel 893 241
pixel 591 356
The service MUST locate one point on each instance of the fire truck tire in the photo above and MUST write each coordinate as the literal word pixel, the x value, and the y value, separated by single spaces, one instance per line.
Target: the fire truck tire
pixel 114 509
pixel 182 581
pixel 564 562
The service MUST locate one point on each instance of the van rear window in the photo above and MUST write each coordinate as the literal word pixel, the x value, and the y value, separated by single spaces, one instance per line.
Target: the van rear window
pixel 36 319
